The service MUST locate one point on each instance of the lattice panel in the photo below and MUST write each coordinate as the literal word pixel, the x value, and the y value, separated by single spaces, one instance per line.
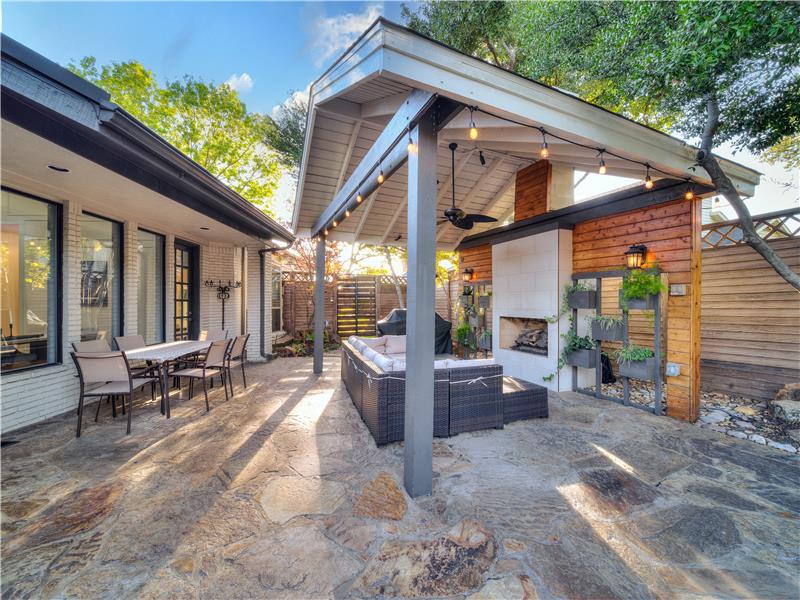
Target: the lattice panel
pixel 772 226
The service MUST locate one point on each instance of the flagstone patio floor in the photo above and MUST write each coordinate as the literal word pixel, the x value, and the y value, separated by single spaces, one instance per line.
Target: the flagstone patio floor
pixel 281 493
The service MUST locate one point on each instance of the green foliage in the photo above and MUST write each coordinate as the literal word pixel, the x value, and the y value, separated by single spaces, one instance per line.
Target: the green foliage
pixel 656 62
pixel 287 136
pixel 564 309
pixel 462 334
pixel 606 322
pixel 574 342
pixel 786 151
pixel 208 123
pixel 633 353
pixel 641 283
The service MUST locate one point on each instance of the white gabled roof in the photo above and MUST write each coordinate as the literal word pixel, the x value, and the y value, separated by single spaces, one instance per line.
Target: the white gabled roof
pixel 354 99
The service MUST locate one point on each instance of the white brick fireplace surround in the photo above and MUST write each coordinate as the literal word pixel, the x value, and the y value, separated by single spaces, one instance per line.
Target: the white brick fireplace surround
pixel 528 278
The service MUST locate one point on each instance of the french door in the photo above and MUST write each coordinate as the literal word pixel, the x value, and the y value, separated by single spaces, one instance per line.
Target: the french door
pixel 185 291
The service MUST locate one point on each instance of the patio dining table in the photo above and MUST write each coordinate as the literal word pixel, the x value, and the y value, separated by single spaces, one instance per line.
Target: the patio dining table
pixel 163 355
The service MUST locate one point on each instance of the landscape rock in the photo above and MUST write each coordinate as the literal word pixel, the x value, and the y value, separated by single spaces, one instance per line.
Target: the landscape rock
pixel 381 498
pixel 785 447
pixel 758 439
pixel 737 434
pixel 451 564
pixel 791 391
pixel 787 411
pixel 716 416
pixel 746 409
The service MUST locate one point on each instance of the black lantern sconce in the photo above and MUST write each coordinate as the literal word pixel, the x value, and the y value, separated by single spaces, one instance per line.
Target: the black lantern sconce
pixel 467 276
pixel 635 256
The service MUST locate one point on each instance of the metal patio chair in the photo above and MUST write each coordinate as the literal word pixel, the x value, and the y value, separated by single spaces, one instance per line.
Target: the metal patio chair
pixel 112 373
pixel 212 335
pixel 236 358
pixel 206 368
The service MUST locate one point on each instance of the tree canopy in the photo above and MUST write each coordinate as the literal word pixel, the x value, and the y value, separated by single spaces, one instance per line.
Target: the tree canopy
pixel 714 71
pixel 209 123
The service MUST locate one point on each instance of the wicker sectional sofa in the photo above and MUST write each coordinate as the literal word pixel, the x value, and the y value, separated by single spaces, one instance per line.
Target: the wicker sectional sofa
pixel 468 395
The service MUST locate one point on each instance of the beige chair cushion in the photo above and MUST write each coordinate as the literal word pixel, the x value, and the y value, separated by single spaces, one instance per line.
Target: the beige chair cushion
pixel 196 373
pixel 395 344
pixel 378 344
pixel 398 356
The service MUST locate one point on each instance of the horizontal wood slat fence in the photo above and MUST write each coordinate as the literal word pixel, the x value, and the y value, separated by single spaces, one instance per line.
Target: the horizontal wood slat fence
pixel 353 304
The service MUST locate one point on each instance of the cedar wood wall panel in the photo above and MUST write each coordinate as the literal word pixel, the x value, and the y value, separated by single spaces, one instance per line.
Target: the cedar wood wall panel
pixel 531 190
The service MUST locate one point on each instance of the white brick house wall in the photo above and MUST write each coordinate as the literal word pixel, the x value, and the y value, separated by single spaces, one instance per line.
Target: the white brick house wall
pixel 31 396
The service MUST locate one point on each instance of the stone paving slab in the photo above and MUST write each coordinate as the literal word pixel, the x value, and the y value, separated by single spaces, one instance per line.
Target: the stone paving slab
pixel 281 493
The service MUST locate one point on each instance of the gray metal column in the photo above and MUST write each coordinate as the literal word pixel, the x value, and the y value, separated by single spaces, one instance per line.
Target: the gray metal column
pixel 319 305
pixel 418 464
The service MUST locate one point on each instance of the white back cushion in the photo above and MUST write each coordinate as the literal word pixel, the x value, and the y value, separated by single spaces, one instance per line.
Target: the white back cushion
pixel 360 346
pixel 395 344
pixel 384 363
pixel 440 364
pixel 378 344
pixel 369 354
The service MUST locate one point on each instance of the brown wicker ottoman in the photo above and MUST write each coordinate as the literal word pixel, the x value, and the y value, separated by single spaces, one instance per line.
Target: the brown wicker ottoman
pixel 523 400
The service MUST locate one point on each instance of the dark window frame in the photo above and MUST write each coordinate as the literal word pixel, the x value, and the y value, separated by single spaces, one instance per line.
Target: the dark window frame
pixel 59 263
pixel 194 252
pixel 120 268
pixel 163 280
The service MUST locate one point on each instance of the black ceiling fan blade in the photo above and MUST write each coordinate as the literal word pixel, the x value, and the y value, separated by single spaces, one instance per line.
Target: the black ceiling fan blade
pixel 464 223
pixel 475 218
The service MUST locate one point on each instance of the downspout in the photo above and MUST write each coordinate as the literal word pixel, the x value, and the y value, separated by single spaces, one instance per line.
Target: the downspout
pixel 262 307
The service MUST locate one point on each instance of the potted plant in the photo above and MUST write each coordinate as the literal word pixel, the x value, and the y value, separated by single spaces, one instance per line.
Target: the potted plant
pixel 579 351
pixel 607 328
pixel 581 295
pixel 463 332
pixel 640 290
pixel 636 362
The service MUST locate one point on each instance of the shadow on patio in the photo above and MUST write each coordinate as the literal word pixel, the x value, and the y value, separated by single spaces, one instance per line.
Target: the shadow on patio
pixel 282 492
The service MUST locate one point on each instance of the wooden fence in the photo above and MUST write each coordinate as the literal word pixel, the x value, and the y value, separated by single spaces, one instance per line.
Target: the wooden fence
pixel 353 304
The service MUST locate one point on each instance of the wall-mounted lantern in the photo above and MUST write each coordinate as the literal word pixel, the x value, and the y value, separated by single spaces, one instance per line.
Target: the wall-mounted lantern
pixel 467 275
pixel 635 256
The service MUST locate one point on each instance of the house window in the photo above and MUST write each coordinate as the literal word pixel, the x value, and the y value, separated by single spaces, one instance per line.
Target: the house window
pixel 277 301
pixel 101 278
pixel 150 301
pixel 29 311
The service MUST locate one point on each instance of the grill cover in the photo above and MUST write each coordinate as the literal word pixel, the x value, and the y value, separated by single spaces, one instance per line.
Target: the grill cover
pixel 395 324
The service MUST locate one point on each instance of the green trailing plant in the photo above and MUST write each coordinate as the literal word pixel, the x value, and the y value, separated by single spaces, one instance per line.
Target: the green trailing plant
pixel 606 322
pixel 641 283
pixel 572 343
pixel 486 335
pixel 633 353
pixel 564 309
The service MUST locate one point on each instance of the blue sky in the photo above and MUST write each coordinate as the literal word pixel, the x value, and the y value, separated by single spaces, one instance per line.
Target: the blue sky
pixel 264 49
pixel 280 46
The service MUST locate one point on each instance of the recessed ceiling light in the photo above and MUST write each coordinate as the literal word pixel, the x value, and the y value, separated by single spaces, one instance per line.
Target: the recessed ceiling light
pixel 59 169
pixel 206 228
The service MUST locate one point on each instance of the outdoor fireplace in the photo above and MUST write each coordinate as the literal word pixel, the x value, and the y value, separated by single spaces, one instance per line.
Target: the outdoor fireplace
pixel 524 335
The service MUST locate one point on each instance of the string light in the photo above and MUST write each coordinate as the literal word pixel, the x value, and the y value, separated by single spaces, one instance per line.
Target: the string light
pixel 544 152
pixel 689 195
pixel 473 131
pixel 410 145
pixel 347 213
pixel 359 198
pixel 381 178
pixel 648 181
pixel 334 223
pixel 325 233
pixel 602 169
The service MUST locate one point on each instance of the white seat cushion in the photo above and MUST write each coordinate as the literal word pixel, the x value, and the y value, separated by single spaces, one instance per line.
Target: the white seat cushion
pixel 440 364
pixel 360 345
pixel 369 354
pixel 398 364
pixel 398 356
pixel 395 344
pixel 352 339
pixel 463 364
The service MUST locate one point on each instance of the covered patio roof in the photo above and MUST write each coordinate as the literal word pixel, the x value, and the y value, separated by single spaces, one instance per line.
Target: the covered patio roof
pixel 354 100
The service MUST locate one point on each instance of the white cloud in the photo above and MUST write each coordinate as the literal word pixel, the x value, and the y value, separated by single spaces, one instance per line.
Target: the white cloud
pixel 240 83
pixel 329 36
pixel 299 96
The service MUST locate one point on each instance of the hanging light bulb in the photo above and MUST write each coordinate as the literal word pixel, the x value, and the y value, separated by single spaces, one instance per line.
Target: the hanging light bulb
pixel 544 152
pixel 325 233
pixel 347 213
pixel 410 145
pixel 381 178
pixel 602 169
pixel 473 131
pixel 648 181
pixel 334 224
pixel 359 198
pixel 689 195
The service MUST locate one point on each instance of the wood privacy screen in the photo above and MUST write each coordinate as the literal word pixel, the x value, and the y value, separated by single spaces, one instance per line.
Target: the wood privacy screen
pixel 375 293
pixel 750 321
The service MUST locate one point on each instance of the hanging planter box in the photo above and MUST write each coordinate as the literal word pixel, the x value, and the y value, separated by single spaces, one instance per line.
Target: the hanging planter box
pixel 648 303
pixel 484 301
pixel 583 358
pixel 612 333
pixel 485 343
pixel 639 369
pixel 582 299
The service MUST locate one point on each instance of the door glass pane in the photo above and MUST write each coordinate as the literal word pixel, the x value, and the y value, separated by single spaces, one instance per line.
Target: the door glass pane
pixel 150 301
pixel 28 282
pixel 101 281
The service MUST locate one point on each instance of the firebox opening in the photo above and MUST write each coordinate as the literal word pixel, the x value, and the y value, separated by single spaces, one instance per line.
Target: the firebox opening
pixel 524 334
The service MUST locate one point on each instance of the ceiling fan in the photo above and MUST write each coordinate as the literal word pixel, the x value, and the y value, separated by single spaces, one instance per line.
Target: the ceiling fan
pixel 455 215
